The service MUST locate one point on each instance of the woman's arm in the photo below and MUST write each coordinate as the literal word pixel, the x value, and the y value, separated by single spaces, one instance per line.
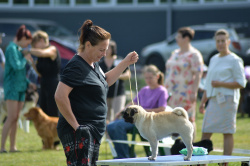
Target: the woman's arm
pixel 63 104
pixel 114 74
pixel 49 52
pixel 203 102
pixel 197 78
pixel 229 85
pixel 125 75
pixel 34 67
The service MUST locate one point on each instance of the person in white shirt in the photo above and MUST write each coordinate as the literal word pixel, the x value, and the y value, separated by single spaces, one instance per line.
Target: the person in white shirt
pixel 224 80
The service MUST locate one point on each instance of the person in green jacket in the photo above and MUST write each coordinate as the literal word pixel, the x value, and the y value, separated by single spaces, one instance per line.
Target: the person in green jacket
pixel 15 84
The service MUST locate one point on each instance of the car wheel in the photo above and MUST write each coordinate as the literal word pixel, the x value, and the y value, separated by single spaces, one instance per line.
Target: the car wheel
pixel 158 61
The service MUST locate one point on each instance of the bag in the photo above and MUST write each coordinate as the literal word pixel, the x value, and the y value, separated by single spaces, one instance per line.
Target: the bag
pixel 197 151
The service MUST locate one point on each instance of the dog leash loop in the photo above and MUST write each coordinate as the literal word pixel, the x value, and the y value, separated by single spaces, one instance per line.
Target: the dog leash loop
pixel 135 86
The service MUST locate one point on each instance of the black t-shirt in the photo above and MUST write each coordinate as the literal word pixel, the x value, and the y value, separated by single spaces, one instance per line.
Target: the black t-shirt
pixel 88 96
pixel 118 87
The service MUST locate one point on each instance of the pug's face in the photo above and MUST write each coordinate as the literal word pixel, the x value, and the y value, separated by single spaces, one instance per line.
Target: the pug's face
pixel 129 114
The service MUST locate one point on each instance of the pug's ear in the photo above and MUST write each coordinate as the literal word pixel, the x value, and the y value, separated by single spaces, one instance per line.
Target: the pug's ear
pixel 133 112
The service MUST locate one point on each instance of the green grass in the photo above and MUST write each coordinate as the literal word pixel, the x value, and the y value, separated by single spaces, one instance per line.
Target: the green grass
pixel 32 154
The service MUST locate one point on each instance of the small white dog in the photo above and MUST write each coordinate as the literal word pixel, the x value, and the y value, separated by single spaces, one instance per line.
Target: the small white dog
pixel 156 126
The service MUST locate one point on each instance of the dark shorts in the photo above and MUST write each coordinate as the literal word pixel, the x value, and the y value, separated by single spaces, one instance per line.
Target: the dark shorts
pixel 80 147
pixel 14 95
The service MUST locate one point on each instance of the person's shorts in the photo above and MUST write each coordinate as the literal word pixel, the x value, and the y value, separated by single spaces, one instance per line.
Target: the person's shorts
pixel 14 95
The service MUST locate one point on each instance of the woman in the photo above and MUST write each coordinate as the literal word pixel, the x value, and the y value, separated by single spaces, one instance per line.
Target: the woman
pixel 15 84
pixel 48 68
pixel 224 79
pixel 81 96
pixel 116 94
pixel 183 74
pixel 153 98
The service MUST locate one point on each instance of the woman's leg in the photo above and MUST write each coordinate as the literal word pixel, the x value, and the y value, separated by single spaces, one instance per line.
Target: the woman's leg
pixel 206 136
pixel 14 128
pixel 10 124
pixel 110 113
pixel 228 144
pixel 118 104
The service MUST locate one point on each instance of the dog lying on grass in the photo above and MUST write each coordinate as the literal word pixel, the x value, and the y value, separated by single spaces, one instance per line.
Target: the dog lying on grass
pixel 156 126
pixel 45 126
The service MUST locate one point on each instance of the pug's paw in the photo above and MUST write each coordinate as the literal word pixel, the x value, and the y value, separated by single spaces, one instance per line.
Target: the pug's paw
pixel 151 158
pixel 187 158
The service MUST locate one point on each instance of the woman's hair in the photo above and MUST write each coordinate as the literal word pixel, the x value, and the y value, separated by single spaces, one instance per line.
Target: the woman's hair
pixel 21 32
pixel 221 32
pixel 92 33
pixel 112 45
pixel 38 35
pixel 186 31
pixel 155 71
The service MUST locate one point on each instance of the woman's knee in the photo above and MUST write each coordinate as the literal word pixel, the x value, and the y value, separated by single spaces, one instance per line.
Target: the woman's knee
pixel 113 127
pixel 228 135
pixel 13 119
pixel 206 136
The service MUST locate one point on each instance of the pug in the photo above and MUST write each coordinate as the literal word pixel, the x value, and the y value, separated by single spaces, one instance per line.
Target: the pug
pixel 156 126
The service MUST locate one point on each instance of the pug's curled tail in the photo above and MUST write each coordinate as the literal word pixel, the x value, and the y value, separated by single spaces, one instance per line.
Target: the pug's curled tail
pixel 180 112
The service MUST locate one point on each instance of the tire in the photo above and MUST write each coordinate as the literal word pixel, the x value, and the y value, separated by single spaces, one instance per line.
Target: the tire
pixel 156 60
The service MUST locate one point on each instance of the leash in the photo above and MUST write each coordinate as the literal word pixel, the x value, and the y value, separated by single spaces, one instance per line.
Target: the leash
pixel 135 86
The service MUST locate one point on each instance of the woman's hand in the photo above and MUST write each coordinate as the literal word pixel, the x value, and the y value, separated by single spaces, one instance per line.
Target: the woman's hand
pixel 32 86
pixel 131 58
pixel 193 97
pixel 202 108
pixel 118 115
pixel 76 127
pixel 29 58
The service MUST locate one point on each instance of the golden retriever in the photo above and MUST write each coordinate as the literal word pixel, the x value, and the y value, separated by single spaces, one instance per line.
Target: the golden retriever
pixel 45 126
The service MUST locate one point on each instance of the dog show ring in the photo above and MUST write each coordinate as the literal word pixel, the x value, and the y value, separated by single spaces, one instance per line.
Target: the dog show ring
pixel 176 160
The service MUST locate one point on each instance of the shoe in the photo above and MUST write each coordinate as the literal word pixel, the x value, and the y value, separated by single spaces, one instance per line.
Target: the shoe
pixel 4 151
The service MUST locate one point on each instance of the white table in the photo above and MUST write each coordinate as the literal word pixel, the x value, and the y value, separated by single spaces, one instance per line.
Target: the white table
pixel 175 160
